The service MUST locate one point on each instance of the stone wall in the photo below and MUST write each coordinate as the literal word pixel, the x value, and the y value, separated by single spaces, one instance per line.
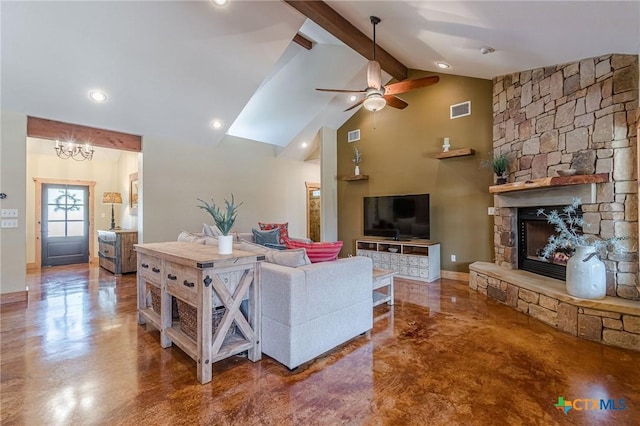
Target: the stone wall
pixel 579 115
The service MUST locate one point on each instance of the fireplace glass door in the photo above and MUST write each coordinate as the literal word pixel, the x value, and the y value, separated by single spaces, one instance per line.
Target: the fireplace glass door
pixel 533 234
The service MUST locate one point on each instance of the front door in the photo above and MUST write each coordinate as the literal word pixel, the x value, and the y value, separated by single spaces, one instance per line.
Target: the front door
pixel 65 224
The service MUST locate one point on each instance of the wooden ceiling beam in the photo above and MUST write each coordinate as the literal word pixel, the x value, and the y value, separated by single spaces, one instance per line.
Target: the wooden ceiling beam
pixel 302 41
pixel 323 15
pixel 51 129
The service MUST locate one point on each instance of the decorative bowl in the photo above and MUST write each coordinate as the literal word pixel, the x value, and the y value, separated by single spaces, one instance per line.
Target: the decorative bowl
pixel 393 249
pixel 567 172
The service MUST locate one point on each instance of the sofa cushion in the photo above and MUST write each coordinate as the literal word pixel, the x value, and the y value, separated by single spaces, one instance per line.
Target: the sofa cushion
pixel 284 229
pixel 211 230
pixel 317 252
pixel 290 258
pixel 271 236
pixel 251 247
pixel 190 237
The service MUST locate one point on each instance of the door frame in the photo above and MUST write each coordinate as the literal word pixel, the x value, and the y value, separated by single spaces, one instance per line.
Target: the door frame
pixel 38 210
pixel 310 186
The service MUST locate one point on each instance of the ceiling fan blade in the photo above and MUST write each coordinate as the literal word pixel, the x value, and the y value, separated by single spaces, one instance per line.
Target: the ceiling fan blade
pixel 394 102
pixel 374 75
pixel 408 85
pixel 354 105
pixel 342 91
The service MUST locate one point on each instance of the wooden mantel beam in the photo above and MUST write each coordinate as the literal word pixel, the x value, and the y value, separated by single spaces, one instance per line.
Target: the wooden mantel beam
pixel 323 15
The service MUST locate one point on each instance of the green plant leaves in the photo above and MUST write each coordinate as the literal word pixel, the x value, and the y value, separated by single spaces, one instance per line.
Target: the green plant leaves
pixel 224 219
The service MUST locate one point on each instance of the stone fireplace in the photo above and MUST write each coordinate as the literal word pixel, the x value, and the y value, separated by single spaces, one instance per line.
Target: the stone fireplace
pixel 580 115
pixel 583 116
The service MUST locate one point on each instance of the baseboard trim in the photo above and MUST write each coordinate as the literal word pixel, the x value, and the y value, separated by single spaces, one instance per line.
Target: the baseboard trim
pixel 452 275
pixel 31 266
pixel 15 297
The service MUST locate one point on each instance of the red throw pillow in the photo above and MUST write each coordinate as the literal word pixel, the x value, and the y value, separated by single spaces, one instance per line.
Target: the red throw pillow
pixel 317 252
pixel 284 229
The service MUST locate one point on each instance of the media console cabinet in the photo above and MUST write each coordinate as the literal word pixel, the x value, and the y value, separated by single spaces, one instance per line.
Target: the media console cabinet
pixel 414 259
pixel 203 280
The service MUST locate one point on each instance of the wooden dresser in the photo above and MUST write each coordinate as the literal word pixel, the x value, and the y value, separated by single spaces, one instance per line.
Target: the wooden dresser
pixel 116 250
pixel 203 281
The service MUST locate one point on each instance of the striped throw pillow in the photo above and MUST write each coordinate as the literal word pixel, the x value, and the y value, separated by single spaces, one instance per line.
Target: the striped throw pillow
pixel 317 252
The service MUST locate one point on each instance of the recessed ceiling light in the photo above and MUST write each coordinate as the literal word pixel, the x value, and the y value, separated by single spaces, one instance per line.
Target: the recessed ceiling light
pixel 97 96
pixel 352 98
pixel 216 124
pixel 487 49
pixel 443 65
pixel 220 2
pixel 304 145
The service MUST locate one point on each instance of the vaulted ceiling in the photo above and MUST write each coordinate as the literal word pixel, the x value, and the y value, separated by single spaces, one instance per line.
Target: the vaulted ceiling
pixel 169 68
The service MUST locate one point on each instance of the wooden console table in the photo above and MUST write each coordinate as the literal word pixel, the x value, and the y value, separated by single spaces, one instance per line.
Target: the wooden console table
pixel 198 275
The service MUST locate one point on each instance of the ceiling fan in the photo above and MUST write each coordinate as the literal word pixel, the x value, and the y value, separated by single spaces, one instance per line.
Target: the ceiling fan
pixel 377 95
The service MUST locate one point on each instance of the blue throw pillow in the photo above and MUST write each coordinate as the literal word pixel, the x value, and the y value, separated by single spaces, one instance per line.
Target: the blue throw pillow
pixel 266 237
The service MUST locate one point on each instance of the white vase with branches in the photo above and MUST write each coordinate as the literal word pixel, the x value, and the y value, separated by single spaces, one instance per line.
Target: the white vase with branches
pixel 586 273
pixel 357 158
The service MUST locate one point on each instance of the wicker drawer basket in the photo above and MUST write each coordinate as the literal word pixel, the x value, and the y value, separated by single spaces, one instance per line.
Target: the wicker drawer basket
pixel 189 319
pixel 155 302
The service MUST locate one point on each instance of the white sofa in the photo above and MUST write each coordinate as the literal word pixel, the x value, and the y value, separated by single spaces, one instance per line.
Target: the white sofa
pixel 309 310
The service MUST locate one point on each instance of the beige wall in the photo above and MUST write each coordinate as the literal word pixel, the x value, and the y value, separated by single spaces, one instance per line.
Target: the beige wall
pixel 12 179
pixel 398 148
pixel 176 174
pixel 109 169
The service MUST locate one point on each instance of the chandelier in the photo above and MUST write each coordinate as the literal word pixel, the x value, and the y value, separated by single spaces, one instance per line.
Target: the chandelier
pixel 78 152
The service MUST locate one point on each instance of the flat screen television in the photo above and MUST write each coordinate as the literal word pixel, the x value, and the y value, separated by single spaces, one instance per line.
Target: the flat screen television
pixel 397 216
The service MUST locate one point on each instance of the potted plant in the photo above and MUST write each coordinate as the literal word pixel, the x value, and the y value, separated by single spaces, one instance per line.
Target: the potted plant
pixel 499 164
pixel 224 221
pixel 357 158
pixel 586 273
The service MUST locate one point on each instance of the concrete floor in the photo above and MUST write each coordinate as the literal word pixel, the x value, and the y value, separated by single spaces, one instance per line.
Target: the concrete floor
pixel 440 355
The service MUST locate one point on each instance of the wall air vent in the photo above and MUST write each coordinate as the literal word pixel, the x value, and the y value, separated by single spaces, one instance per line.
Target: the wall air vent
pixel 353 136
pixel 460 110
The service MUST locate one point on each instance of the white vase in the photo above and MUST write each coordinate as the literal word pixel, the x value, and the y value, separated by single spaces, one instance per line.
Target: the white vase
pixel 587 280
pixel 357 171
pixel 225 244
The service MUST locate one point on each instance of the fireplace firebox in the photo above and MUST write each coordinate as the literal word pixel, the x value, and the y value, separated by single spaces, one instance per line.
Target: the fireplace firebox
pixel 533 234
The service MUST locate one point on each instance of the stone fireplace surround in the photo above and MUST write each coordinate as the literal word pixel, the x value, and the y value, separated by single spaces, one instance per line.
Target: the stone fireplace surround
pixel 579 115
pixel 614 321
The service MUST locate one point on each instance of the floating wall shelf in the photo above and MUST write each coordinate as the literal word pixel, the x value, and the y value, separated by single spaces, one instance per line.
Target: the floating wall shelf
pixel 461 152
pixel 354 178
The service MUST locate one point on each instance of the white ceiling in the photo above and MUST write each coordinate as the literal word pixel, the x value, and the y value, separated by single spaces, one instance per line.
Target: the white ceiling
pixel 169 68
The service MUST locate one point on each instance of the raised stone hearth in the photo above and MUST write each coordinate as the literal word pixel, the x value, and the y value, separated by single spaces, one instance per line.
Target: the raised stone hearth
pixel 613 321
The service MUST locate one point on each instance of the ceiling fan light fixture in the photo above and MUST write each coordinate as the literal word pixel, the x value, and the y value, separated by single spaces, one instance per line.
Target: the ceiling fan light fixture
pixel 374 102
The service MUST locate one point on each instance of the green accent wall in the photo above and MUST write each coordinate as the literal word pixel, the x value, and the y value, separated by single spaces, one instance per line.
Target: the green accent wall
pixel 398 154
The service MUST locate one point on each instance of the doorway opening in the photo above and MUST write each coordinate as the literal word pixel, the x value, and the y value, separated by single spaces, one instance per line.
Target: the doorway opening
pixel 65 224
pixel 64 229
pixel 313 211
